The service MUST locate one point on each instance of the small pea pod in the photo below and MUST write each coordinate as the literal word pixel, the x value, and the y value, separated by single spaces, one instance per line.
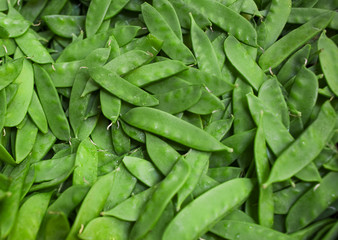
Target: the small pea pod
pixel 95 15
pixel 207 209
pixel 51 104
pixel 121 88
pixel 173 128
pixel 302 151
pixel 37 114
pixel 115 7
pixel 159 200
pixel 327 57
pixel 285 46
pixel 65 26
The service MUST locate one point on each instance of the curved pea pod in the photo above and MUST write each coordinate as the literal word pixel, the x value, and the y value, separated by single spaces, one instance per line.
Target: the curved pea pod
pixel 30 214
pixel 51 104
pixel 18 107
pixel 150 44
pixel 95 15
pixel 64 25
pixel 56 227
pixel 231 21
pixel 216 85
pixel 110 105
pixel 152 72
pixel 156 148
pixel 300 15
pixel 120 140
pixel 271 94
pixel 32 48
pixel 92 204
pixel 15 26
pixel 142 170
pixel 128 61
pixel 79 50
pixel 303 150
pixel 285 198
pixel 86 161
pixel 285 46
pixel 32 9
pixel 37 114
pixel 115 7
pixel 207 104
pixel 8 47
pixel 309 231
pixel 159 200
pixel 105 228
pixel 172 45
pixel 310 205
pixel 327 57
pixel 10 71
pixel 173 128
pixel 125 34
pixel 5 156
pixel 133 133
pixel 25 139
pixel 205 54
pixel 292 66
pixel 232 229
pixel 121 88
pixel 243 62
pixel 131 208
pixel 203 212
pixel 179 100
pixel 274 22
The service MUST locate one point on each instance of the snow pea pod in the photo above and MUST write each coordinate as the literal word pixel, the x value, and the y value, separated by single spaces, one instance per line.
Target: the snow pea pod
pixel 327 57
pixel 285 46
pixel 10 71
pixel 32 9
pixel 51 104
pixel 115 7
pixel 303 150
pixel 173 128
pixel 64 25
pixel 95 15
pixel 37 114
pixel 15 26
pixel 121 88
pixel 159 200
pixel 207 209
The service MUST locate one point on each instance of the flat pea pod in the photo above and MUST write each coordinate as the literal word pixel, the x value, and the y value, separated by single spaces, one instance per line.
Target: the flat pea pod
pixel 3 107
pixel 173 128
pixel 95 15
pixel 32 9
pixel 309 231
pixel 115 7
pixel 33 49
pixel 51 104
pixel 133 133
pixel 142 170
pixel 285 46
pixel 86 161
pixel 231 21
pixel 15 26
pixel 172 45
pixel 9 72
pixel 110 105
pixel 120 140
pixel 64 25
pixel 37 114
pixel 207 104
pixel 18 107
pixel 25 139
pixel 274 22
pixel 179 100
pixel 232 229
pixel 30 214
pixel 159 200
pixel 92 204
pixel 105 228
pixel 310 205
pixel 53 7
pixel 152 72
pixel 327 57
pixel 125 34
pixel 243 62
pixel 56 227
pixel 5 156
pixel 121 88
pixel 207 209
pixel 306 147
pixel 205 54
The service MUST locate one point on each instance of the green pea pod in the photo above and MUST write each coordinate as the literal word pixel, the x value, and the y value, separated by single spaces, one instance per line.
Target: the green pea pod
pixel 51 104
pixel 173 128
pixel 9 72
pixel 53 7
pixel 309 206
pixel 65 26
pixel 133 133
pixel 285 46
pixel 120 140
pixel 115 7
pixel 203 212
pixel 15 26
pixel 327 58
pixel 31 10
pixel 37 114
pixel 125 34
pixel 241 60
pixel 18 107
pixel 309 231
pixel 232 229
pixel 110 105
pixel 95 15
pixel 56 226
pixel 305 148
pixel 172 45
pixel 159 200
pixel 3 107
pixel 121 88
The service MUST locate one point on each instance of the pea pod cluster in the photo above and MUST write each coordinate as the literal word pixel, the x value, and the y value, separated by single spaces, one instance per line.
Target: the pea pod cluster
pixel 168 119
